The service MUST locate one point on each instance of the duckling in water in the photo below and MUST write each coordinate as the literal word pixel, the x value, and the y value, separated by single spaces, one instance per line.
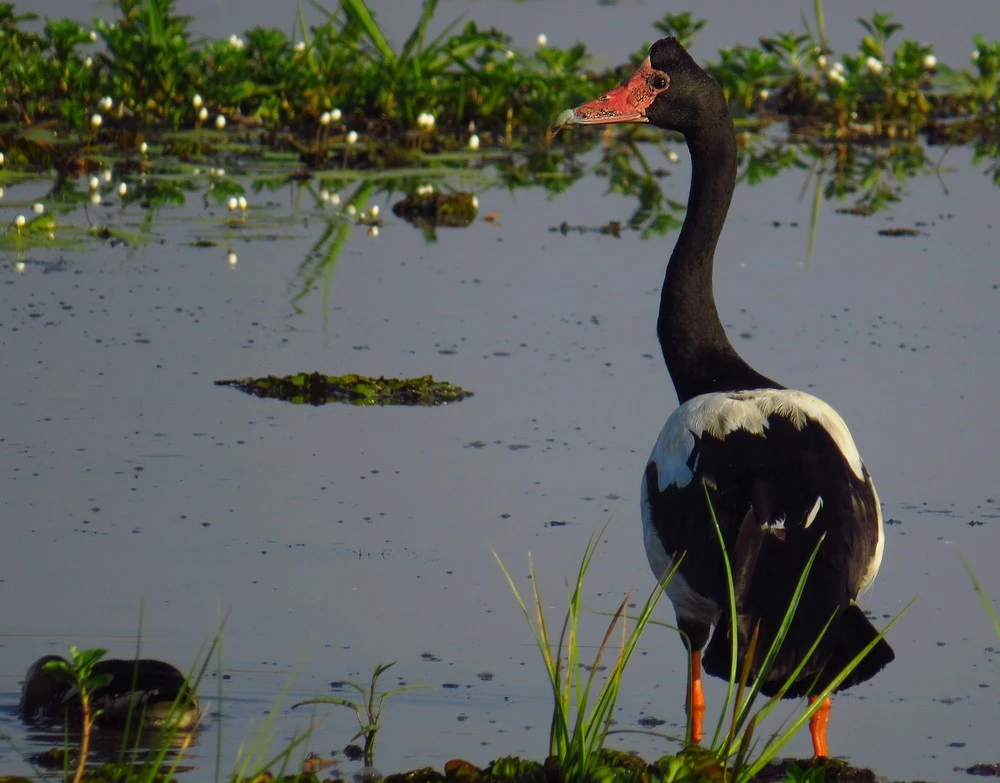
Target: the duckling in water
pixel 146 688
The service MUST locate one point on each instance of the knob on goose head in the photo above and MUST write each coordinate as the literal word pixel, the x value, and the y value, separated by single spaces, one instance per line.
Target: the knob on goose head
pixel 668 90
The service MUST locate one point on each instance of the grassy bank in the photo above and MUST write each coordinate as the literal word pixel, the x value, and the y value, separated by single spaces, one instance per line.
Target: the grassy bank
pixel 144 72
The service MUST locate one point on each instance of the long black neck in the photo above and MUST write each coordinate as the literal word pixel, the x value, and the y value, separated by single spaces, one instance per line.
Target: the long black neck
pixel 698 354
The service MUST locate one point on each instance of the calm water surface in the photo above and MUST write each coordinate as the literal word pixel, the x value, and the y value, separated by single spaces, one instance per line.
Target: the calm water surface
pixel 338 538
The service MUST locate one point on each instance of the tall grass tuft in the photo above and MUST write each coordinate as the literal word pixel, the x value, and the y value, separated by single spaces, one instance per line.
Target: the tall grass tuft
pixel 582 707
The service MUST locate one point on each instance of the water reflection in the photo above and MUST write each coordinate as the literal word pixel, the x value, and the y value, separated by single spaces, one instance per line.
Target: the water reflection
pixel 862 179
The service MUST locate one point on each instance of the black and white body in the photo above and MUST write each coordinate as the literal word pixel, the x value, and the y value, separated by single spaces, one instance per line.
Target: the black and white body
pixel 780 466
pixel 783 463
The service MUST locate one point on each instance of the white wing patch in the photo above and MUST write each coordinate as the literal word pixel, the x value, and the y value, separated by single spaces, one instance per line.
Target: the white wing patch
pixel 721 413
pixel 811 516
pixel 687 601
pixel 869 577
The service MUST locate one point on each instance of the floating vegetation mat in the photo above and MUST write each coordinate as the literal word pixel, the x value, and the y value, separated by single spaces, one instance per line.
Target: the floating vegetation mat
pixel 314 388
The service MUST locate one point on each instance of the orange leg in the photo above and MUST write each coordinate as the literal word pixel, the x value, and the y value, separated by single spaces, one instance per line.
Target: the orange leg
pixel 817 728
pixel 696 699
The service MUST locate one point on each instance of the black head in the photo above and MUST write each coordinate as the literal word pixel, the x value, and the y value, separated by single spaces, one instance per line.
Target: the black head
pixel 669 90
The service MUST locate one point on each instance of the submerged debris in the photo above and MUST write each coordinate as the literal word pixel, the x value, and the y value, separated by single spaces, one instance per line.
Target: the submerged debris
pixel 899 232
pixel 611 228
pixel 428 208
pixel 984 770
pixel 318 389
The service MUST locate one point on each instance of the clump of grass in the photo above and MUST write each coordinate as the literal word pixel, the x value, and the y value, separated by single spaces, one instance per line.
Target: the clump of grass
pixel 582 707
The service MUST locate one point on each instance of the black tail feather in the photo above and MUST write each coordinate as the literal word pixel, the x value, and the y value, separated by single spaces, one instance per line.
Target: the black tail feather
pixel 854 633
pixel 847 636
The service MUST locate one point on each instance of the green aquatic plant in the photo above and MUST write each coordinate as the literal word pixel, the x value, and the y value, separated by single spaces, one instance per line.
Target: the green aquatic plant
pixel 143 67
pixel 681 25
pixel 813 774
pixel 79 673
pixel 149 64
pixel 982 83
pixel 318 389
pixel 424 76
pixel 747 74
pixel 368 710
pixel 582 708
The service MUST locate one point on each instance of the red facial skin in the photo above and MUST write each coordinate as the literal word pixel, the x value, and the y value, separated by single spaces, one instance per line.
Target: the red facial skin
pixel 627 102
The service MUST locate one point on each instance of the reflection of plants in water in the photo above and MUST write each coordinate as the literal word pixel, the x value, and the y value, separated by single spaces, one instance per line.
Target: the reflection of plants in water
pixel 321 260
pixel 864 179
pixel 988 154
pixel 873 178
pixel 870 178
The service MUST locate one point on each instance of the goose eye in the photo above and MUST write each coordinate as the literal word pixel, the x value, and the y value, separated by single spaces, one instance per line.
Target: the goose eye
pixel 658 83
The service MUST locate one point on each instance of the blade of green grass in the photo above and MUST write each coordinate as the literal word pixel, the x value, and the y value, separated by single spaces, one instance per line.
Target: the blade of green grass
pixel 994 620
pixel 357 13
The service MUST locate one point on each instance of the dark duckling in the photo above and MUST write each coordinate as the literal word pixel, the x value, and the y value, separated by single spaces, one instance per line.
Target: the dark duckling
pixel 146 687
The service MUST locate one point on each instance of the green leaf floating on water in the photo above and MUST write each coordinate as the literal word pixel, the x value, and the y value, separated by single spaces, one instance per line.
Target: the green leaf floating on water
pixel 314 388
